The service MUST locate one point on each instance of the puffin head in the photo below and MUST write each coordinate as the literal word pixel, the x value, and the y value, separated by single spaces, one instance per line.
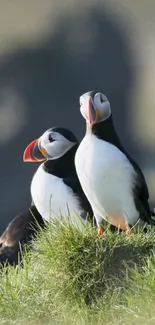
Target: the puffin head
pixel 52 144
pixel 94 107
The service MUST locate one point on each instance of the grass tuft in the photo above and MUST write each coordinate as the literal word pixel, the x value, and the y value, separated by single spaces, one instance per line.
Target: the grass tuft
pixel 75 277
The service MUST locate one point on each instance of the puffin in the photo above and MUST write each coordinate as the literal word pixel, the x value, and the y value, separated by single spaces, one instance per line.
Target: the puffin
pixel 55 188
pixel 19 232
pixel 110 178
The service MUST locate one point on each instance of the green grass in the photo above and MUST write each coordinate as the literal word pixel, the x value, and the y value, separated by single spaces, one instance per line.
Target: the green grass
pixel 74 277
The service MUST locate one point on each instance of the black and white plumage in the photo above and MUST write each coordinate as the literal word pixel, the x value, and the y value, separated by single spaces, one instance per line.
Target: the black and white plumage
pixel 19 233
pixel 112 181
pixel 55 187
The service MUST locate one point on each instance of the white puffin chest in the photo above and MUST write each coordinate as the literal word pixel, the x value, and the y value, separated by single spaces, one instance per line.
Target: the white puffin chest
pixel 52 197
pixel 107 178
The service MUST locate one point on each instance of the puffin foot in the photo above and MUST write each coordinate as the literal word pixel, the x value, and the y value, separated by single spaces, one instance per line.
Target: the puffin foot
pixel 129 231
pixel 100 231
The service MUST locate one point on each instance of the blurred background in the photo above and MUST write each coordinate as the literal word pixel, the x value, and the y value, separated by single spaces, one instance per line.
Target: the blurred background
pixel 53 51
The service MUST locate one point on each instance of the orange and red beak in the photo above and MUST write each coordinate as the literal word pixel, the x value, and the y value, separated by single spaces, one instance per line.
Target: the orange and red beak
pixel 34 152
pixel 91 112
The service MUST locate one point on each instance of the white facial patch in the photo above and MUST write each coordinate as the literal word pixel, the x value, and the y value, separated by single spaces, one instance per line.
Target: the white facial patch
pixel 56 148
pixel 100 103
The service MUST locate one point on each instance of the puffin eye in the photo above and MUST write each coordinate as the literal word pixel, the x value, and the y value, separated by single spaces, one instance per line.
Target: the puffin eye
pixel 101 98
pixel 50 138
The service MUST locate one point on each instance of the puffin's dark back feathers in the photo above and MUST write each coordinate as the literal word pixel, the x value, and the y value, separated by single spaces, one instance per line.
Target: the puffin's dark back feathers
pixel 19 232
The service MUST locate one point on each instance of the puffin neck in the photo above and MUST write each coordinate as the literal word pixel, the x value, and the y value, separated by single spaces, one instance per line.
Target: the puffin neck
pixel 63 166
pixel 106 131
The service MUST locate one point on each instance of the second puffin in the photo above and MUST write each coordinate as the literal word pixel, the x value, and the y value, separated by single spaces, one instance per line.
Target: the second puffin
pixel 55 188
pixel 111 179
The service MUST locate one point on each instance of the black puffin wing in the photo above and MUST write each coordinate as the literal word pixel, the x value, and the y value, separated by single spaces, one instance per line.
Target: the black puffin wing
pixel 75 185
pixel 141 194
pixel 142 182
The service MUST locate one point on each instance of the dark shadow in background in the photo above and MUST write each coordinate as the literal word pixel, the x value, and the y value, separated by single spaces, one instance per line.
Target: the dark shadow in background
pixel 50 80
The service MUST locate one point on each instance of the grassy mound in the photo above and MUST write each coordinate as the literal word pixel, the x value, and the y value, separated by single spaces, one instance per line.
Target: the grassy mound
pixel 74 277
